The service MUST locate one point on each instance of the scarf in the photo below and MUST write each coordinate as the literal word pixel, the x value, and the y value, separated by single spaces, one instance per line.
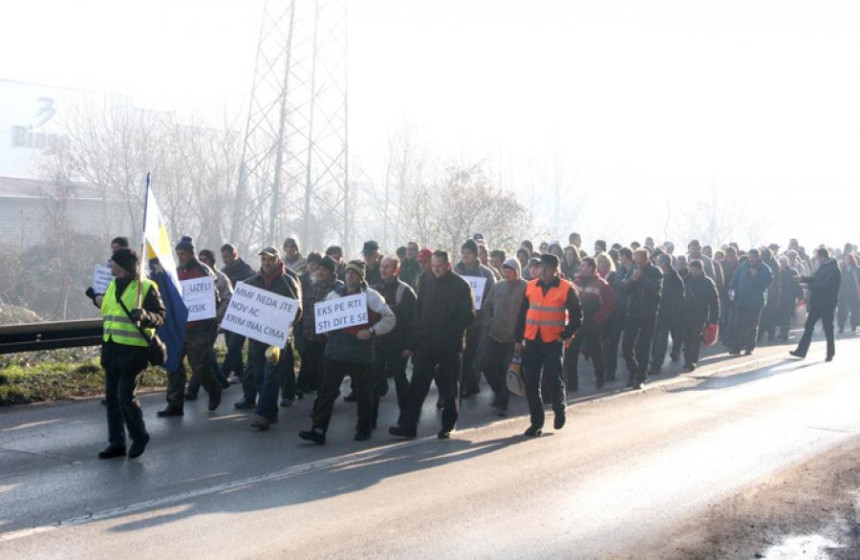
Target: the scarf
pixel 268 279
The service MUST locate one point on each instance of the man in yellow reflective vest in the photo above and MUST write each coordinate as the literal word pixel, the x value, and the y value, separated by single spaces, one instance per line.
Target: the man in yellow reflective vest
pixel 125 350
pixel 549 318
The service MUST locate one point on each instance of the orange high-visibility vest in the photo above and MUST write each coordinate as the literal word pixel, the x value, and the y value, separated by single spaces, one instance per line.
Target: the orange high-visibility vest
pixel 547 314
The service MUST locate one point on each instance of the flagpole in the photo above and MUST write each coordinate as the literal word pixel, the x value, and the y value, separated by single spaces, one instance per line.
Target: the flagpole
pixel 143 243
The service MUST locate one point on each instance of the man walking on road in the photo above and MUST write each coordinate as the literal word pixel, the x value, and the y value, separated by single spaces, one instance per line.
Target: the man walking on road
pixel 823 295
pixel 445 310
pixel 642 290
pixel 749 283
pixel 349 351
pixel 469 265
pixel 597 304
pixel 549 317
pixel 701 306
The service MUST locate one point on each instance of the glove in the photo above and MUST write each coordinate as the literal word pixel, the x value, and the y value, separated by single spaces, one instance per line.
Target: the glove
pixel 137 315
pixel 91 293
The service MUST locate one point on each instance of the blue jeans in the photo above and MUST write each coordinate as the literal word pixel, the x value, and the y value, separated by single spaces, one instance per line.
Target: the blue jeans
pixel 233 359
pixel 268 378
pixel 543 357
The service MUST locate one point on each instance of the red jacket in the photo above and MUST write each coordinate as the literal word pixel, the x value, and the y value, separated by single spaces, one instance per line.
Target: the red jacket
pixel 597 298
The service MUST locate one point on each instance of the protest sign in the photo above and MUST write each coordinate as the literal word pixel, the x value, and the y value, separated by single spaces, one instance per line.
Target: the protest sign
pixel 101 278
pixel 340 313
pixel 199 297
pixel 261 315
pixel 478 283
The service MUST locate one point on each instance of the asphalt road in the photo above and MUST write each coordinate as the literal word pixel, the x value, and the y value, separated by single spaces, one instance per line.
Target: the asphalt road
pixel 628 465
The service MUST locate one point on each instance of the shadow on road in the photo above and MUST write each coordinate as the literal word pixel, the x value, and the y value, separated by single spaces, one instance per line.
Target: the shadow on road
pixel 343 478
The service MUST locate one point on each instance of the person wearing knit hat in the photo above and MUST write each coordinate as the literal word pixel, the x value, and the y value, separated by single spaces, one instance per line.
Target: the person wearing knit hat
pixel 470 266
pixel 548 319
pixel 500 317
pixel 125 351
pixel 293 258
pixel 199 340
pixel 372 258
pixel 349 351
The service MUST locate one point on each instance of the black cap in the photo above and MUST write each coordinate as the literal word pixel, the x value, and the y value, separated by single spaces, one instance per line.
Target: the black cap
pixel 126 259
pixel 369 248
pixel 549 259
pixel 328 263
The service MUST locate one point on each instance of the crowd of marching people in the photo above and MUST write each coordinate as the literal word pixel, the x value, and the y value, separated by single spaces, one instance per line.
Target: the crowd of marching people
pixel 461 319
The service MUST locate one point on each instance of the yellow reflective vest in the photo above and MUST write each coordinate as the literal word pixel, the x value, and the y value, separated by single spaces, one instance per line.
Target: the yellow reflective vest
pixel 117 324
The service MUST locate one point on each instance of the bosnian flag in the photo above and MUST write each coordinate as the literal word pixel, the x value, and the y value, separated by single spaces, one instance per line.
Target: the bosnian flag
pixel 164 274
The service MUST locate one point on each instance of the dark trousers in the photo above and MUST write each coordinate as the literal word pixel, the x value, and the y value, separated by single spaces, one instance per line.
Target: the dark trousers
pixel 666 326
pixel 543 358
pixel 471 379
pixel 233 359
pixel 745 330
pixel 123 368
pixel 849 309
pixel 424 362
pixel 826 317
pixel 611 340
pixel 194 384
pixel 638 334
pixel 692 342
pixel 329 391
pixel 388 361
pixel 311 370
pixel 198 349
pixel 591 338
pixel 268 377
pixel 495 359
pixel 288 381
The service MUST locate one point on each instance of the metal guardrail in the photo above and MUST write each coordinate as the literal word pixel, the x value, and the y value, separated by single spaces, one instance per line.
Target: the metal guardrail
pixel 47 336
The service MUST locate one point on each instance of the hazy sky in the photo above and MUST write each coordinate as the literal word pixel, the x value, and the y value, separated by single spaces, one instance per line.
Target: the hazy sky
pixel 635 102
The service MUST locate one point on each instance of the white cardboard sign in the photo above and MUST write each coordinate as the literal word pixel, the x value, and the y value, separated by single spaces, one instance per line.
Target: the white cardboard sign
pixel 478 283
pixel 340 313
pixel 199 297
pixel 261 315
pixel 101 278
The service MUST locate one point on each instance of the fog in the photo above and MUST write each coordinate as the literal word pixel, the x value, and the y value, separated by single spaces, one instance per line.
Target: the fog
pixel 639 113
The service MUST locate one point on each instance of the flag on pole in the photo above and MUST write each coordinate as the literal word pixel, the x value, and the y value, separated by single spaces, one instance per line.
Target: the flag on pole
pixel 164 274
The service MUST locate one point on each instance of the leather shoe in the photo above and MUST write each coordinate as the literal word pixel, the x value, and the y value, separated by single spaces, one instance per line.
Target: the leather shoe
pixel 112 452
pixel 170 411
pixel 797 354
pixel 559 420
pixel 689 367
pixel 138 446
pixel 244 405
pixel 313 435
pixel 829 358
pixel 444 434
pixel 362 435
pixel 533 431
pixel 397 431
pixel 261 423
pixel 214 401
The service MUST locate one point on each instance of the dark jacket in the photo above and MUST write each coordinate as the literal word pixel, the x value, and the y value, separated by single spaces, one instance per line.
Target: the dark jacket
pixel 316 292
pixel 401 298
pixel 749 289
pixel 672 299
pixel 824 286
pixel 284 285
pixel 344 345
pixel 701 301
pixel 409 271
pixel 445 310
pixel 478 270
pixel 643 295
pixel 237 272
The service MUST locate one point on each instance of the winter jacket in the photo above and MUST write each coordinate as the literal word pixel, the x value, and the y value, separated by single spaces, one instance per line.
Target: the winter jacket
pixel 237 272
pixel 749 289
pixel 501 309
pixel 701 301
pixel 445 310
pixel 672 298
pixel 284 285
pixel 478 270
pixel 196 269
pixel 643 295
pixel 849 289
pixel 401 298
pixel 316 292
pixel 344 345
pixel 596 298
pixel 824 286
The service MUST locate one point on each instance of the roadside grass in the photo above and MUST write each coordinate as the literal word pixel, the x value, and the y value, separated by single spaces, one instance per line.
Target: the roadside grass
pixel 58 374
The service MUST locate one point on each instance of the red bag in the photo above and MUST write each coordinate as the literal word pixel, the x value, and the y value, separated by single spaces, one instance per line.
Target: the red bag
pixel 710 335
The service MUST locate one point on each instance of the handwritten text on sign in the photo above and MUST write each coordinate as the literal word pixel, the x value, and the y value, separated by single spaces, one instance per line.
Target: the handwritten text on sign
pixel 101 278
pixel 340 313
pixel 260 315
pixel 199 297
pixel 477 283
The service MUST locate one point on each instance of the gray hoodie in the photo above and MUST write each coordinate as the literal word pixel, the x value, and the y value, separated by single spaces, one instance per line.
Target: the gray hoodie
pixel 502 305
